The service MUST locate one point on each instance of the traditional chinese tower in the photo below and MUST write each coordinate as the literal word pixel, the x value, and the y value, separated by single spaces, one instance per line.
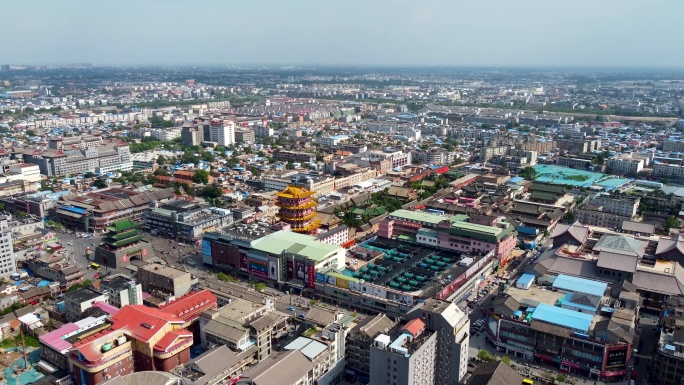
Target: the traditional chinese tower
pixel 298 209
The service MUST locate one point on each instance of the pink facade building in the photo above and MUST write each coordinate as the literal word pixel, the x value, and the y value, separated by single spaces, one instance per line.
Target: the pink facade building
pixel 455 233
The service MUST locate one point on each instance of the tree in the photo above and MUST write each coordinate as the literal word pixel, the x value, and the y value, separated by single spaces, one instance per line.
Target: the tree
pixel 99 183
pixel 201 177
pixel 290 165
pixel 89 174
pixel 212 192
pixel 224 277
pixel 529 173
pixel 506 360
pixel 161 160
pixel 670 223
pixel 30 133
pixel 485 356
pixel 561 378
pixel 260 286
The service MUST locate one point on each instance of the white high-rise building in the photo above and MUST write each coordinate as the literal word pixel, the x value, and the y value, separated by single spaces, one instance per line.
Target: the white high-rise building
pixel 8 265
pixel 222 132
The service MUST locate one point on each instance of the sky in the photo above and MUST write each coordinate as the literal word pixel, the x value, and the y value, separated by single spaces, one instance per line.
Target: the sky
pixel 498 33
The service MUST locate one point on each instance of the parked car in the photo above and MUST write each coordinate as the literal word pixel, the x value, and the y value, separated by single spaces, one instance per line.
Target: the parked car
pixel 291 308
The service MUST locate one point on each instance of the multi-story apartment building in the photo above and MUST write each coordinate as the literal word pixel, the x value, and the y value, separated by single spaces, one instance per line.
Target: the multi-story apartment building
pixel 673 146
pixel 23 171
pixel 102 160
pixel 121 291
pixel 355 177
pixel 540 146
pixel 579 146
pixel 221 132
pixel 487 153
pixel 8 264
pixel 435 155
pixel 184 220
pixel 669 171
pixel 396 158
pixel 451 232
pixel 336 236
pixel 157 278
pixel 360 339
pixel 626 166
pixel 294 156
pixel 593 215
pixel 625 205
pixel 668 363
pixel 577 163
pixel 320 184
pixel 75 303
pixel 72 143
pixel 165 134
pixel 431 348
pixel 192 134
pixel 245 135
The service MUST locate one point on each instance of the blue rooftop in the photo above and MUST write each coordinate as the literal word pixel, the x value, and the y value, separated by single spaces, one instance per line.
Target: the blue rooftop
pixel 563 317
pixel 73 209
pixel 579 285
pixel 525 279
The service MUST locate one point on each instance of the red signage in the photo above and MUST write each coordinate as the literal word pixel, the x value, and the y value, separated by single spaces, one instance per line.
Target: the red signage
pixel 410 224
pixel 243 262
pixel 311 269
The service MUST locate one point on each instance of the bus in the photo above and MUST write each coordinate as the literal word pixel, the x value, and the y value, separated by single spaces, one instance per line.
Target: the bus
pixel 527 381
pixel 95 266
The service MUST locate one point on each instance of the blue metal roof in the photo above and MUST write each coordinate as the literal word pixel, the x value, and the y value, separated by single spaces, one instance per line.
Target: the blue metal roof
pixel 77 210
pixel 579 285
pixel 526 279
pixel 563 317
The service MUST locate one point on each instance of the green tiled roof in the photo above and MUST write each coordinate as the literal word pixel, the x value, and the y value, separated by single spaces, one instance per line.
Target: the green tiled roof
pixel 122 225
pixel 301 244
pixel 545 196
pixel 123 235
pixel 127 241
pixel 418 216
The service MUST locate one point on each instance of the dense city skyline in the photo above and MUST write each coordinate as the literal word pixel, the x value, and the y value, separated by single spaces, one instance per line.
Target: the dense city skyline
pixel 378 33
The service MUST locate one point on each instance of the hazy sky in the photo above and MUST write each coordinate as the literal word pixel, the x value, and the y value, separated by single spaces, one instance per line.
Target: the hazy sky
pixel 625 33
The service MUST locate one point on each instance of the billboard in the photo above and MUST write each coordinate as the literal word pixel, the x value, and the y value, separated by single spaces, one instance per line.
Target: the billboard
pixel 300 271
pixel 332 280
pixel 206 247
pixel 311 276
pixel 243 262
pixel 273 272
pixel 320 277
pixel 355 286
pixel 257 266
pixel 343 283
pixel 403 299
pixel 616 357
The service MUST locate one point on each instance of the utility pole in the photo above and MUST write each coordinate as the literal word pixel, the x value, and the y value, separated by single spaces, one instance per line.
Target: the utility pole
pixel 23 348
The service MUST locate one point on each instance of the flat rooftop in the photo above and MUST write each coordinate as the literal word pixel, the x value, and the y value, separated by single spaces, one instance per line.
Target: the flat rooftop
pixel 563 317
pixel 580 285
pixel 166 271
pixel 418 261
